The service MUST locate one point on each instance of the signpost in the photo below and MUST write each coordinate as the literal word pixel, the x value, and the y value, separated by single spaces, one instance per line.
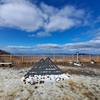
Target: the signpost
pixel 77 61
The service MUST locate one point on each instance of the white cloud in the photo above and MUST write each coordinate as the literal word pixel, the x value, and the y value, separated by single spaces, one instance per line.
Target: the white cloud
pixel 43 34
pixel 76 39
pixel 89 46
pixel 49 46
pixel 59 23
pixel 97 20
pixel 64 18
pixel 49 10
pixel 92 46
pixel 40 34
pixel 24 15
pixel 20 47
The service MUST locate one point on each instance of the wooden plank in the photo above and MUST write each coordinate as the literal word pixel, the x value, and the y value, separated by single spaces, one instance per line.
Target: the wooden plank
pixel 5 63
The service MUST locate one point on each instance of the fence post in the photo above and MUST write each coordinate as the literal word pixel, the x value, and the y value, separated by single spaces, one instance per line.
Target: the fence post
pixel 89 58
pixel 22 58
pixel 81 58
pixel 33 59
pixel 44 56
pixel 63 59
pixel 54 58
pixel 66 58
pixel 11 58
pixel 73 58
pixel 97 58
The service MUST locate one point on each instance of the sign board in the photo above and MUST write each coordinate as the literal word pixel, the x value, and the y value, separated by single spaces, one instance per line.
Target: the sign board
pixel 45 67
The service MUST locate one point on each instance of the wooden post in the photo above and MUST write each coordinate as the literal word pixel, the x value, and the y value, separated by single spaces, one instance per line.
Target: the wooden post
pixel 22 58
pixel 97 58
pixel 33 59
pixel 44 56
pixel 63 59
pixel 54 58
pixel 11 57
pixel 73 58
pixel 0 58
pixel 89 57
pixel 81 58
pixel 66 58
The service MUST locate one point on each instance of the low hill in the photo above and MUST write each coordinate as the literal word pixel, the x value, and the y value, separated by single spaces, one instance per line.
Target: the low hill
pixel 2 52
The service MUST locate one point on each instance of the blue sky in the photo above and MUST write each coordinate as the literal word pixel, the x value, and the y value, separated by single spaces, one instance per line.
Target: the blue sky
pixel 50 26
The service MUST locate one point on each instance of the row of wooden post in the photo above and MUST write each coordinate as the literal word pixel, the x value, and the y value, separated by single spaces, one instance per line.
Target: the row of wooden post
pixel 64 57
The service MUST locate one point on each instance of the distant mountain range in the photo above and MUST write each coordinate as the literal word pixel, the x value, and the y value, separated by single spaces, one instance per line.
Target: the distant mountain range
pixel 2 52
pixel 55 54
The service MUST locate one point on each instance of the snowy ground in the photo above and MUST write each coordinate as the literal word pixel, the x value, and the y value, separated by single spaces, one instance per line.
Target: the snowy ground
pixel 83 85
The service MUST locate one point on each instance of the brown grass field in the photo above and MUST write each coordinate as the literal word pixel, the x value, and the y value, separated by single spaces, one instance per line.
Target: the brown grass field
pixel 84 84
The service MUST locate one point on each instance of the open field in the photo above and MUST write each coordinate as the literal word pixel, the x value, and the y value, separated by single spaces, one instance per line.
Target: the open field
pixel 84 84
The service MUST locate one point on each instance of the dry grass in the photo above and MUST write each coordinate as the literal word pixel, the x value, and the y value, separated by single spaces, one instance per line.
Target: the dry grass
pixel 78 87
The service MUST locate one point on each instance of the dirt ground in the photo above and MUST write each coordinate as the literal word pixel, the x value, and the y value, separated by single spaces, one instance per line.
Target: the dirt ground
pixel 86 70
pixel 84 84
